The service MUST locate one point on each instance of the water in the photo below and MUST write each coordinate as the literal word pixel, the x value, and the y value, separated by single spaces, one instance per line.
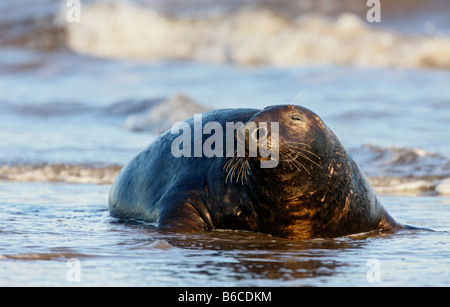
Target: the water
pixel 53 222
pixel 74 110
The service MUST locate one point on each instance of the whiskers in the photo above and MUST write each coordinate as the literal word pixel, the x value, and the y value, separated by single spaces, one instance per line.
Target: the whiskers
pixel 239 167
pixel 295 102
pixel 295 154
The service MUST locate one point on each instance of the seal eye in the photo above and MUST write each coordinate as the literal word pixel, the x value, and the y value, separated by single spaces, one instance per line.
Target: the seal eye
pixel 295 117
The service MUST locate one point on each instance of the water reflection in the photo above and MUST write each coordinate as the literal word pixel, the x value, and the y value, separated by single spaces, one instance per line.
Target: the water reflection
pixel 237 255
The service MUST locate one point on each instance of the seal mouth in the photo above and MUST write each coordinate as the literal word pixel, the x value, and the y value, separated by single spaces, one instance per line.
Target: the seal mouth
pixel 295 154
pixel 257 142
pixel 239 167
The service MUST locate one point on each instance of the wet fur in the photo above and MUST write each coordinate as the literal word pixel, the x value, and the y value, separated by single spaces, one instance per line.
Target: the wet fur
pixel 317 190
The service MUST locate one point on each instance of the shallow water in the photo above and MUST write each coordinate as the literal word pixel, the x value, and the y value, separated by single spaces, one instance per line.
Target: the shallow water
pixel 70 120
pixel 46 224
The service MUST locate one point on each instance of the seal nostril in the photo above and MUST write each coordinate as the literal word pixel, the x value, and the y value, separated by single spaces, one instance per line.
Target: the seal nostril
pixel 258 133
pixel 240 135
pixel 255 134
pixel 262 132
pixel 243 134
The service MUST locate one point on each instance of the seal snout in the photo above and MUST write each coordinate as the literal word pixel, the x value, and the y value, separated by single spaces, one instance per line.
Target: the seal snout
pixel 251 132
pixel 256 138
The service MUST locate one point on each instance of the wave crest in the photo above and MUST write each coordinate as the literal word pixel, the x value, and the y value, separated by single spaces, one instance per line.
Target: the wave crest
pixel 249 37
pixel 389 170
pixel 69 173
pixel 404 170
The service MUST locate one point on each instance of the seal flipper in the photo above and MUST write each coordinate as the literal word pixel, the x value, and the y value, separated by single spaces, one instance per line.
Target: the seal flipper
pixel 182 217
pixel 389 223
pixel 409 227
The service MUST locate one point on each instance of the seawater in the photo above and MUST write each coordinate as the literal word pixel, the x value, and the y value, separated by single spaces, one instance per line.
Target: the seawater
pixel 47 224
pixel 73 112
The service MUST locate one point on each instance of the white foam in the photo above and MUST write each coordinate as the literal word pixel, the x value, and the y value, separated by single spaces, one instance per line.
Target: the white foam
pixel 416 186
pixel 60 173
pixel 443 187
pixel 403 162
pixel 252 37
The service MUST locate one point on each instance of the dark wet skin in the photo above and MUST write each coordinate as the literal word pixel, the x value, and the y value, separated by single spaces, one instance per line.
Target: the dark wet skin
pixel 316 189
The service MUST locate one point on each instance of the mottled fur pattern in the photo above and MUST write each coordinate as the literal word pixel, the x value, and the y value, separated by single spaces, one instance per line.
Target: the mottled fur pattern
pixel 316 190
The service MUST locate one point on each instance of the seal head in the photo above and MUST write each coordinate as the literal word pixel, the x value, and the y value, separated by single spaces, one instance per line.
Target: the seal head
pixel 316 190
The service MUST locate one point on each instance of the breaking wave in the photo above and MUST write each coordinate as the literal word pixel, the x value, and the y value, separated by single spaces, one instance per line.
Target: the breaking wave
pixel 243 32
pixel 252 36
pixel 161 115
pixel 155 115
pixel 404 170
pixel 69 173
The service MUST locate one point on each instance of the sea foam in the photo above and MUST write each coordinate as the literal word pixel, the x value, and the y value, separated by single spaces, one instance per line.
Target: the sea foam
pixel 249 37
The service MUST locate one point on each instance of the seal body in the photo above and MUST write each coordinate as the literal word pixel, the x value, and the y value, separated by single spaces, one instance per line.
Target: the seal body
pixel 314 190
